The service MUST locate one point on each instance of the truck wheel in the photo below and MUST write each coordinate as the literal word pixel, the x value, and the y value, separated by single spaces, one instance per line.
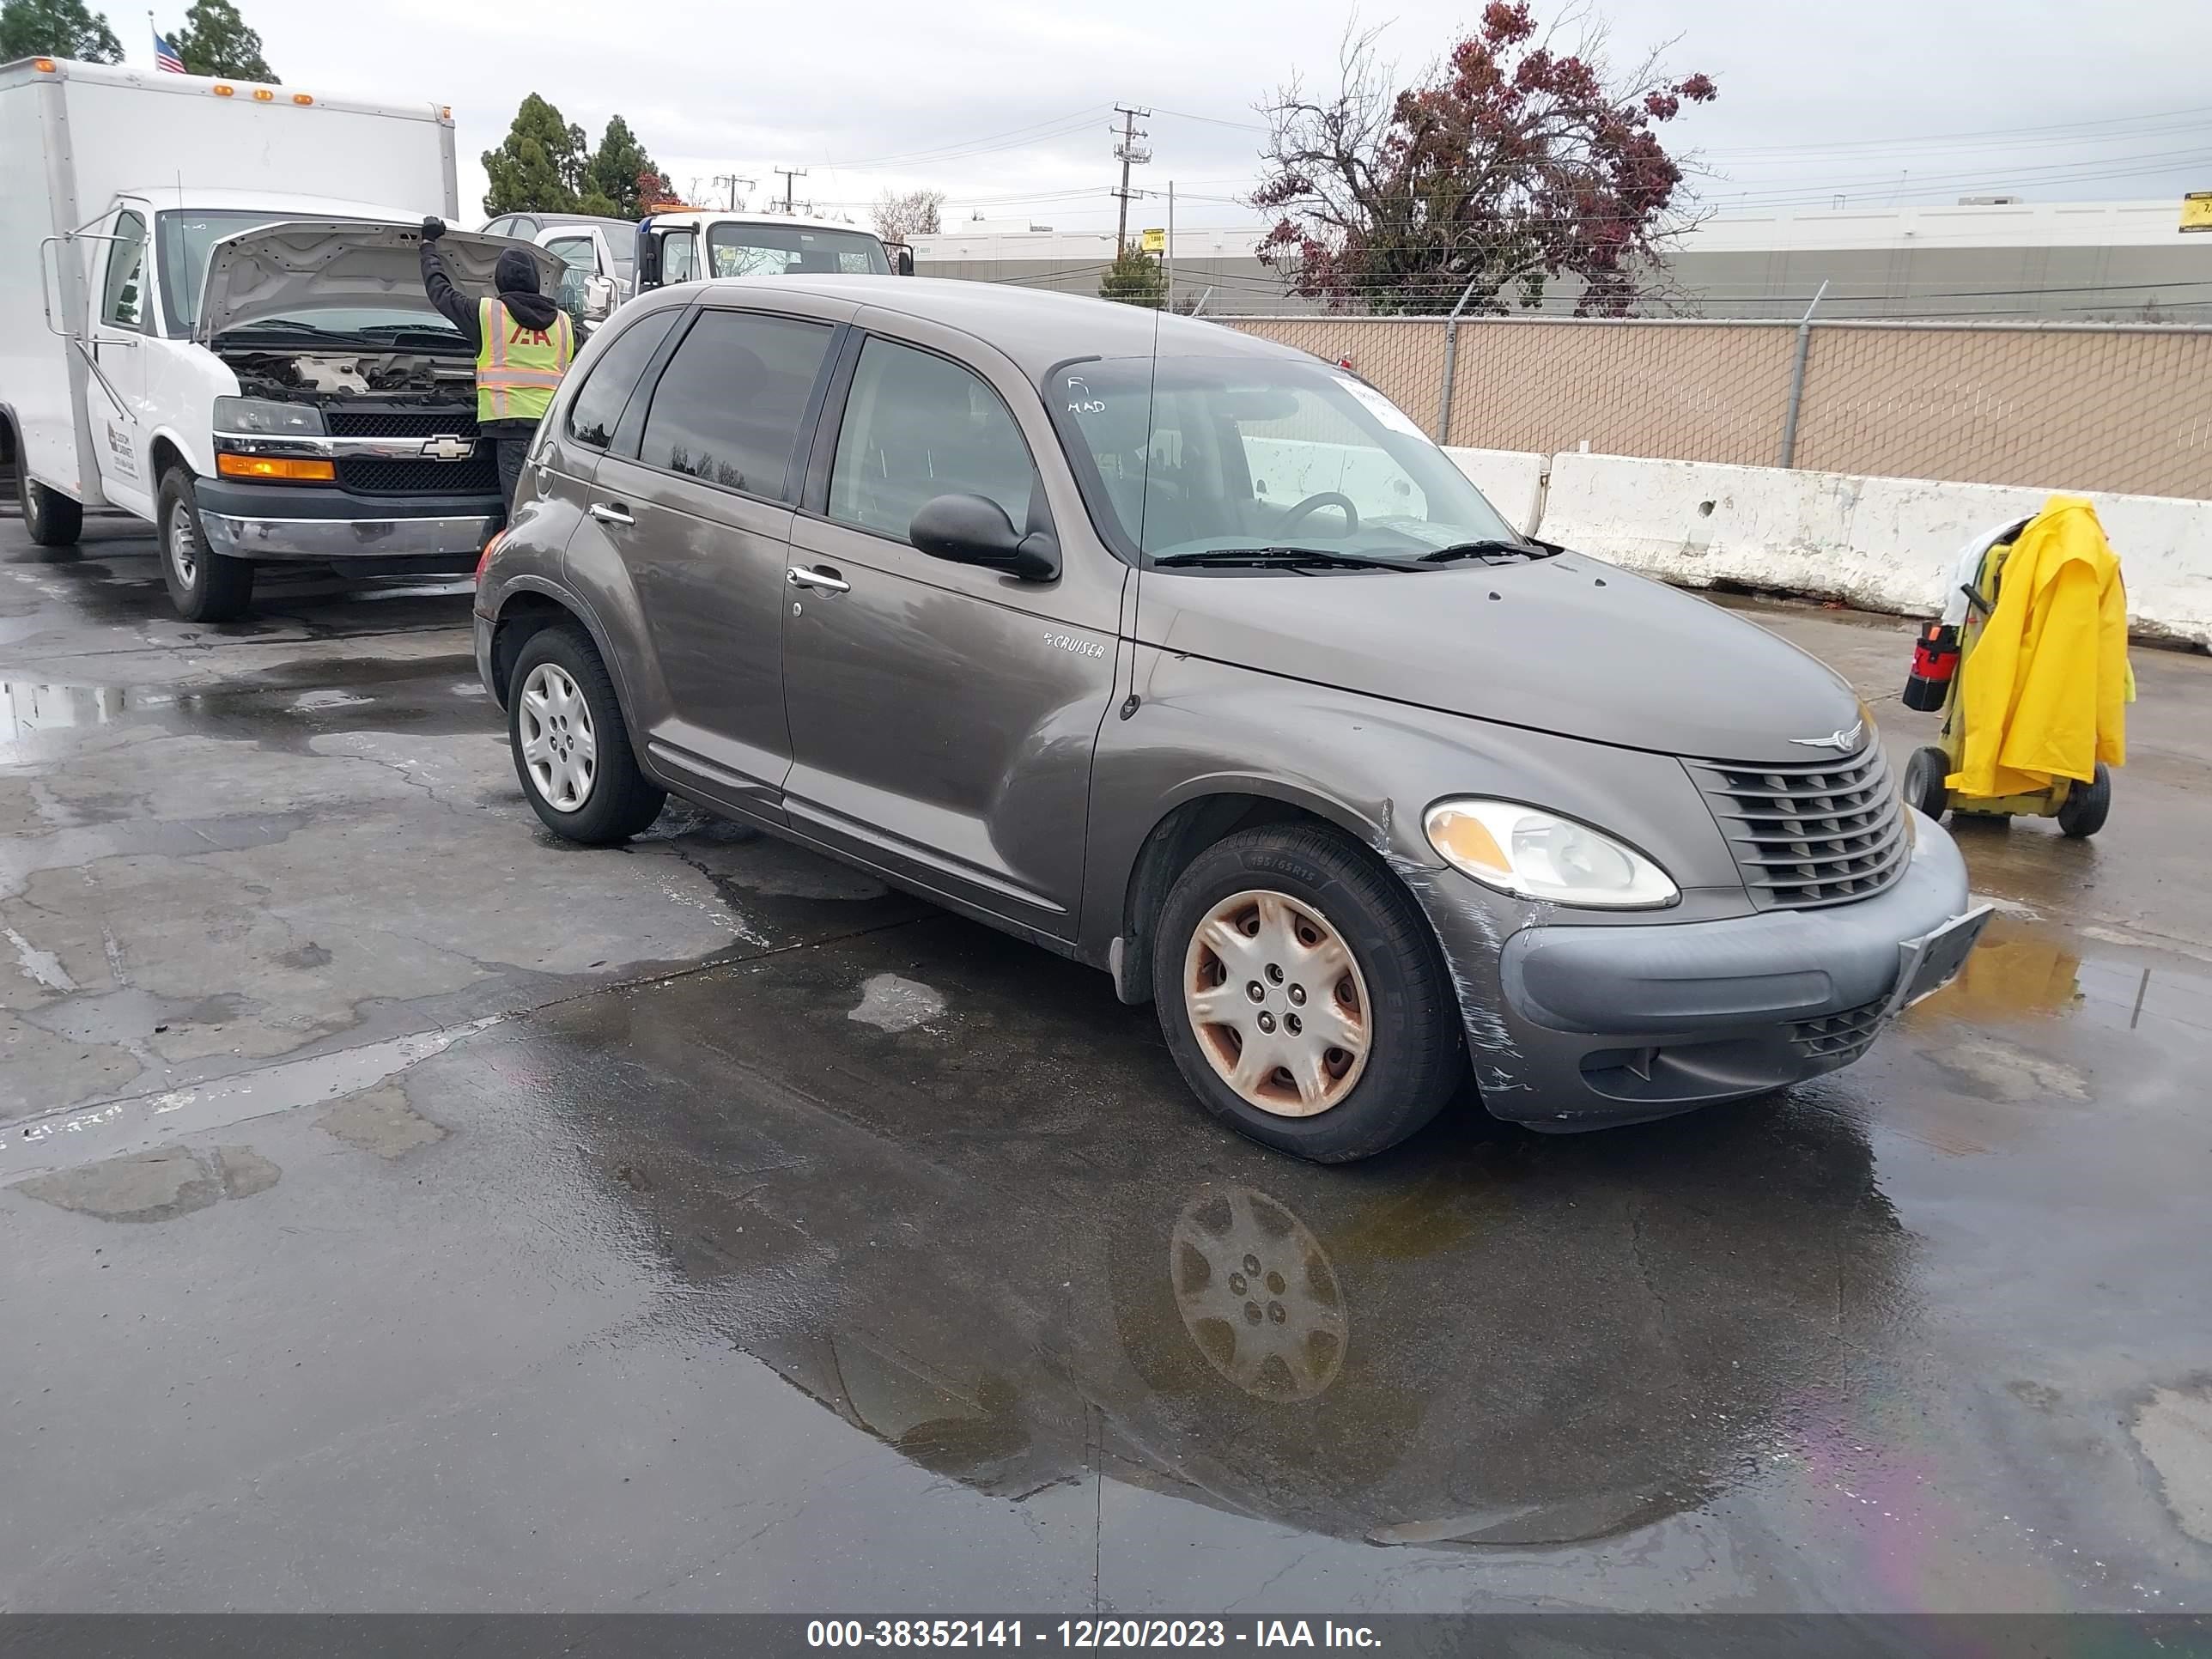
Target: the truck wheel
pixel 50 519
pixel 572 749
pixel 204 585
pixel 2086 806
pixel 1303 996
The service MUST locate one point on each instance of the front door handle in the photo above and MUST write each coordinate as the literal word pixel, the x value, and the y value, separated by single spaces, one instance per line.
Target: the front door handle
pixel 611 513
pixel 800 576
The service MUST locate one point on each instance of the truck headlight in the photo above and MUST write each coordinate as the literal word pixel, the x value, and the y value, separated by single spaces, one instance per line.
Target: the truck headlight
pixel 265 418
pixel 1540 855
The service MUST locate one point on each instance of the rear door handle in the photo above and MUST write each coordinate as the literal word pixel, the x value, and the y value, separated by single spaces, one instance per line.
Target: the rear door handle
pixel 611 513
pixel 800 576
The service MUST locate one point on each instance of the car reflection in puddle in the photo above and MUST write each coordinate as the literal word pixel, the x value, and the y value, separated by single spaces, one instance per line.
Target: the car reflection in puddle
pixel 1484 1341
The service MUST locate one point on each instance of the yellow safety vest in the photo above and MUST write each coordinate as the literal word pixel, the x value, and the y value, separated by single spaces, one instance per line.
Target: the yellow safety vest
pixel 518 367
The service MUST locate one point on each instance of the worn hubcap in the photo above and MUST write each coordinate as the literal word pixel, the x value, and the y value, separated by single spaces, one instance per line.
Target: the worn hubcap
pixel 1278 1003
pixel 558 745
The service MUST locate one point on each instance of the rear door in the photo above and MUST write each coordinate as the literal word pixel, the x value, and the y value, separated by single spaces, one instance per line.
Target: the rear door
pixel 943 716
pixel 699 513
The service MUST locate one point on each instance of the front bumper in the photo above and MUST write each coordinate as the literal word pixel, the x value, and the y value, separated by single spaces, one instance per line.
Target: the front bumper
pixel 302 521
pixel 1585 1026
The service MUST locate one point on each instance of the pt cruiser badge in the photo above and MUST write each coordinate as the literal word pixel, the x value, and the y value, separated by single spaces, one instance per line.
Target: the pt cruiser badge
pixel 1843 743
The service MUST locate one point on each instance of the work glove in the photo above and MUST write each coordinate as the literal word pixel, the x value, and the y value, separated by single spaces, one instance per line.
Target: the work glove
pixel 432 229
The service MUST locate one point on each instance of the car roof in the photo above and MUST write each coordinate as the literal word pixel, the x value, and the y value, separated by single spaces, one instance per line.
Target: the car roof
pixel 1037 328
pixel 556 221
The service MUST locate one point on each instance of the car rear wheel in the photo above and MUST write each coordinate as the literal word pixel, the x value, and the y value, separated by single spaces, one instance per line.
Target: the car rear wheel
pixel 1303 995
pixel 1924 781
pixel 204 585
pixel 572 749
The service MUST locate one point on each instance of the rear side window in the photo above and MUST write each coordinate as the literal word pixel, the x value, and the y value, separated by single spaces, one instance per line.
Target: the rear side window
pixel 916 427
pixel 730 402
pixel 598 408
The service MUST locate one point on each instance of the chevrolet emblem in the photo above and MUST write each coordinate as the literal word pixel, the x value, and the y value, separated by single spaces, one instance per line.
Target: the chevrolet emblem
pixel 445 446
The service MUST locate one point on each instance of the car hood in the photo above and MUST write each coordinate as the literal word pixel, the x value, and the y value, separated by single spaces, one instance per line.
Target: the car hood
pixel 282 269
pixel 1567 645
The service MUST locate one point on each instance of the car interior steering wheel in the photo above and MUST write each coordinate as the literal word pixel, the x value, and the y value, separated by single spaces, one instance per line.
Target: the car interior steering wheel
pixel 1298 515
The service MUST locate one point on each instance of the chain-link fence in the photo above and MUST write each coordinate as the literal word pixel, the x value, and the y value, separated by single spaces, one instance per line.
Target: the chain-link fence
pixel 2062 406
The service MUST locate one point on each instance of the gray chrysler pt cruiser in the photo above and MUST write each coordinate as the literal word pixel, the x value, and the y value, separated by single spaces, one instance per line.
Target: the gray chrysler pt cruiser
pixel 1188 656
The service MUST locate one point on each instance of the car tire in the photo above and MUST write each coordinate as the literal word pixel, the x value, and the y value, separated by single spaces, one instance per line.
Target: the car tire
pixel 1924 781
pixel 50 519
pixel 571 746
pixel 204 586
pixel 2086 806
pixel 1338 949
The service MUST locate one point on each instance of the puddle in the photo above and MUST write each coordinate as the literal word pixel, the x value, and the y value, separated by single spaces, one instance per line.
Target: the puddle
pixel 28 709
pixel 890 1003
pixel 157 1185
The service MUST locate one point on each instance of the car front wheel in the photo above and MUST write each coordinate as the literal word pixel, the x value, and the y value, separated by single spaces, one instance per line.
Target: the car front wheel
pixel 1303 995
pixel 204 586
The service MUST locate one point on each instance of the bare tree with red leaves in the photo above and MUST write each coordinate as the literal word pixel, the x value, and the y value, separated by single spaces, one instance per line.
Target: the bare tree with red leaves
pixel 1513 162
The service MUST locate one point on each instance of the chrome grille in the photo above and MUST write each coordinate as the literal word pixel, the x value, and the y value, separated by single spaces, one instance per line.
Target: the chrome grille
pixel 1838 1036
pixel 1807 833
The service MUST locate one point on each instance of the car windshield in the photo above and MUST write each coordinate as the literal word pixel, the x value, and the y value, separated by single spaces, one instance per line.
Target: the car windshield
pixel 786 250
pixel 186 237
pixel 1205 456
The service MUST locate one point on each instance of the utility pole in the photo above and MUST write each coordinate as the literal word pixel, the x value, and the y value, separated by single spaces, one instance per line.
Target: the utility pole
pixel 1129 153
pixel 1170 248
pixel 733 180
pixel 788 175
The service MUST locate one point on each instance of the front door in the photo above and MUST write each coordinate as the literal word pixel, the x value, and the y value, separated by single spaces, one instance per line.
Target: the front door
pixel 700 514
pixel 943 716
pixel 115 402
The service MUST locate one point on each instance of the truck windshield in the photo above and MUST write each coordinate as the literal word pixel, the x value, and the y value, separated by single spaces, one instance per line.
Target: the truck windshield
pixel 184 237
pixel 773 250
pixel 1195 457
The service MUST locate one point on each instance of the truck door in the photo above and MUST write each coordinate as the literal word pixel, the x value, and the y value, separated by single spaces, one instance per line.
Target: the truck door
pixel 115 403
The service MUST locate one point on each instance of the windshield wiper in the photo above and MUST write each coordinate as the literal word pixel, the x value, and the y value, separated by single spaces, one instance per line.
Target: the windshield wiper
pixel 393 333
pixel 1290 557
pixel 1491 549
pixel 277 328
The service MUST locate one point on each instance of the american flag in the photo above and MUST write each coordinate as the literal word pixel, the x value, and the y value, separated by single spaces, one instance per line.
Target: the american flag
pixel 166 58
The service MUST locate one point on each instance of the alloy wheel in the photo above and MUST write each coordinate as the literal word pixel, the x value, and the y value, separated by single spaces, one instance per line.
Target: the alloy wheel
pixel 183 546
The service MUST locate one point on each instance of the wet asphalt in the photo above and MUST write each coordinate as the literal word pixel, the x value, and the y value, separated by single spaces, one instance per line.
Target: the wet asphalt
pixel 400 1210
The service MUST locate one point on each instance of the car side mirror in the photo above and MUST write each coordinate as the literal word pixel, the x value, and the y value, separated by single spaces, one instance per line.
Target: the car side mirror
pixel 647 256
pixel 904 256
pixel 976 530
pixel 598 298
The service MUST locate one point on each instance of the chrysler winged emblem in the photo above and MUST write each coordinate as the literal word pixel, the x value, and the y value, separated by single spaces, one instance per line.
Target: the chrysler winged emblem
pixel 1842 742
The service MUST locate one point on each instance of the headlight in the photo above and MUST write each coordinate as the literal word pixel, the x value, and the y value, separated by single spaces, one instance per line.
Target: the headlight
pixel 1540 855
pixel 265 418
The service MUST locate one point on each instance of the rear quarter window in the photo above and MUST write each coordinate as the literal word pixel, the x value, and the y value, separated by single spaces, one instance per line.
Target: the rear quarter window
pixel 597 408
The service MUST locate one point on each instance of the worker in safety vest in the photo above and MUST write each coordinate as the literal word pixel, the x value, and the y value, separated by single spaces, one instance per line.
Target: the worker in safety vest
pixel 524 344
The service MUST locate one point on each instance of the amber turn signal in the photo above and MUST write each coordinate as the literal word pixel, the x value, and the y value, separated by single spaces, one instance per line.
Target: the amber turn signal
pixel 274 468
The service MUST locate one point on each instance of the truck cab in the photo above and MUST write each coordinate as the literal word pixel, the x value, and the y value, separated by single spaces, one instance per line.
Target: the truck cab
pixel 597 256
pixel 697 244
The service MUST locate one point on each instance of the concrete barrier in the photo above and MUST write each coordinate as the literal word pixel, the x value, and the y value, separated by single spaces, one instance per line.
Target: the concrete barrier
pixel 1882 544
pixel 1513 483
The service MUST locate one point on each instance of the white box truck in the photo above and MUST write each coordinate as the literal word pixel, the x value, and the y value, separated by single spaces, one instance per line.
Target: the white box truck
pixel 212 317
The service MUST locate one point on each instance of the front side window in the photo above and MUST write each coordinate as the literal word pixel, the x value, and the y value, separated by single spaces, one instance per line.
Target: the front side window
pixel 123 295
pixel 597 409
pixel 1191 454
pixel 918 426
pixel 773 250
pixel 679 261
pixel 577 252
pixel 730 404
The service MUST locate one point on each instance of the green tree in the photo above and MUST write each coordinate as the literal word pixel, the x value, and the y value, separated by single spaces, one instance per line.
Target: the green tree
pixel 540 165
pixel 617 171
pixel 215 40
pixel 56 28
pixel 1135 279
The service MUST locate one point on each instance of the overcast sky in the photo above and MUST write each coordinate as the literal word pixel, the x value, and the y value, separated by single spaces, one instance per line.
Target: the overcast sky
pixel 1005 106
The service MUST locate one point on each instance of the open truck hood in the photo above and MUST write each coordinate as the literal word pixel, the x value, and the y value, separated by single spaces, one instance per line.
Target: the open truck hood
pixel 301 264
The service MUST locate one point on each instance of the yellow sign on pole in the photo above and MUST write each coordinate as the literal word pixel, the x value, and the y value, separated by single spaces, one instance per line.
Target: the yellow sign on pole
pixel 1155 241
pixel 2196 210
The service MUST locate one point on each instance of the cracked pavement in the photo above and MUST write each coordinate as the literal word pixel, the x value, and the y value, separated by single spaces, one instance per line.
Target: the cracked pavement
pixel 401 1210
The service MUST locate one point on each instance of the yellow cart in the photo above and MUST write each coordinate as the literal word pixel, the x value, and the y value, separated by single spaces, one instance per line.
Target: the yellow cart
pixel 2080 809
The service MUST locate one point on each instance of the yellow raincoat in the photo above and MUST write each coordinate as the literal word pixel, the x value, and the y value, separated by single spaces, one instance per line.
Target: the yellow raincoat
pixel 2042 692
